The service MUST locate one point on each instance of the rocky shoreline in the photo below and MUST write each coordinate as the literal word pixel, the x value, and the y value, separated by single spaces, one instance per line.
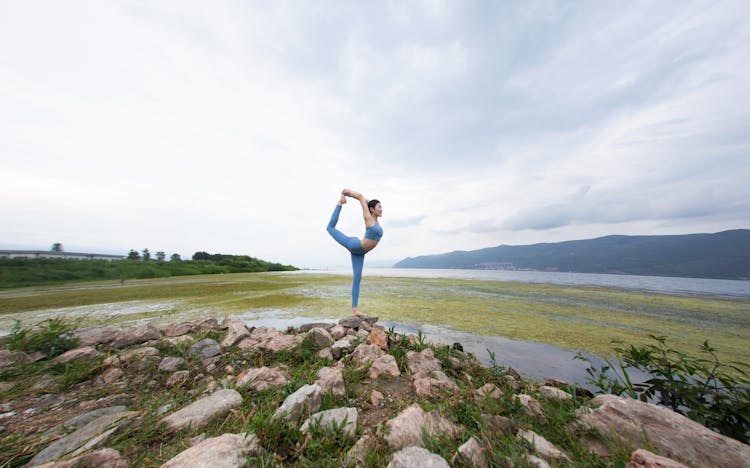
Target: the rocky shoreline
pixel 210 394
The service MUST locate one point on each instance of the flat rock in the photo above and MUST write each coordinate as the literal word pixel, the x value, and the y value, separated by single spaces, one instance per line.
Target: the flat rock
pixel 306 400
pixel 93 430
pixel 470 454
pixel 171 364
pixel 102 458
pixel 351 322
pixel 87 352
pixel 82 419
pixel 384 365
pixel 179 340
pixel 365 353
pixel 417 457
pixel 236 331
pixel 318 337
pixel 204 349
pixel 345 418
pixel 203 411
pixel 331 380
pixel 135 335
pixel 132 356
pixel 225 451
pixel 309 326
pixel 423 361
pixel 341 347
pixel 669 433
pixel 12 358
pixel 644 459
pixel 406 428
pixel 100 334
pixel 179 329
pixel 377 337
pixel 206 323
pixel 113 374
pixel 554 393
pixel 269 339
pixel 542 446
pixel 259 379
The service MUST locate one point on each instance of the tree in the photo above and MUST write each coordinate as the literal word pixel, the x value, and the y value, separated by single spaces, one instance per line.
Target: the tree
pixel 57 247
pixel 146 255
pixel 175 258
pixel 201 256
pixel 134 255
pixel 160 256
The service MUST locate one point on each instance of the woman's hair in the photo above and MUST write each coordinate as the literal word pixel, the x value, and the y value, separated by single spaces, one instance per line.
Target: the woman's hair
pixel 372 204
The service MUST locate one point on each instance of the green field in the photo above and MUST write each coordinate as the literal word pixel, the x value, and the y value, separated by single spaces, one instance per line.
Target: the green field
pixel 579 318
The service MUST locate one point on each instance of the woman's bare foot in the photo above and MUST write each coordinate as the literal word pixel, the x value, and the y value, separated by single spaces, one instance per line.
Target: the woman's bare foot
pixel 357 313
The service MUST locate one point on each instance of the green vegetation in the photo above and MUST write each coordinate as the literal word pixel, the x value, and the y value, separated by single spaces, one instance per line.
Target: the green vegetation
pixel 19 272
pixel 51 337
pixel 704 389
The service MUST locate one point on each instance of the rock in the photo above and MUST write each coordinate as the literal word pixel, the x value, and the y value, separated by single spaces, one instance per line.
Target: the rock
pixel 512 372
pixel 337 332
pixel 203 411
pixel 406 429
pixel 669 433
pixel 12 358
pixel 97 430
pixel 423 361
pixel 362 334
pixel 305 400
pixel 511 382
pixel 341 347
pixel 309 326
pixel 178 379
pixel 132 356
pixel 205 348
pixel 536 462
pixel 325 354
pixel 552 382
pixel 44 383
pixel 180 340
pixel 384 365
pixel 101 334
pixel 87 352
pixel 532 405
pixel 170 364
pixel 488 390
pixel 357 455
pixel 318 337
pixel 206 323
pixel 427 384
pixel 555 393
pixel 179 329
pixel 135 335
pixel 102 458
pixel 225 451
pixel 236 331
pixel 365 326
pixel 351 322
pixel 113 374
pixel 331 380
pixel 497 423
pixel 375 398
pixel 417 457
pixel 346 418
pixel 458 346
pixel 377 337
pixel 259 379
pixel 542 446
pixel 645 459
pixel 85 418
pixel 470 454
pixel 6 386
pixel 269 339
pixel 366 353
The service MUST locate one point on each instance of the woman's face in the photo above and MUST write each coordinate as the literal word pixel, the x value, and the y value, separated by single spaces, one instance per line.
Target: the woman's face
pixel 377 210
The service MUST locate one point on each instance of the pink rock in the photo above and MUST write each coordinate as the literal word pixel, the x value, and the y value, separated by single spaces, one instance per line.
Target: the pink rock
pixel 406 429
pixel 376 397
pixel 384 365
pixel 645 459
pixel 261 378
pixel 225 451
pixel 87 352
pixel 377 337
pixel 179 329
pixel 423 361
pixel 102 458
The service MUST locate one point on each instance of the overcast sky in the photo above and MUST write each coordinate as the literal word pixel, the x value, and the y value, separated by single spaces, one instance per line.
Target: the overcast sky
pixel 232 126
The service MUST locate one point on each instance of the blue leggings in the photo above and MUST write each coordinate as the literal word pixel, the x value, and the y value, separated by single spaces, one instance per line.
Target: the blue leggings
pixel 353 245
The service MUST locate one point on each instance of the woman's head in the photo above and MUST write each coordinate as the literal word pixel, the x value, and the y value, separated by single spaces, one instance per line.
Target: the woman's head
pixel 375 208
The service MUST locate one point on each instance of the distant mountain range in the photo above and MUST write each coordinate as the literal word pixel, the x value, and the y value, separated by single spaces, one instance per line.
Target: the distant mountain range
pixel 721 255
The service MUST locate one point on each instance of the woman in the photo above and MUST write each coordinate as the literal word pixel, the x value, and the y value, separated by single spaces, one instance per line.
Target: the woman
pixel 371 211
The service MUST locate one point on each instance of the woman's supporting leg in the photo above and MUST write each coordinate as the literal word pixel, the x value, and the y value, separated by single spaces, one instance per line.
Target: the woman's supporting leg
pixel 358 262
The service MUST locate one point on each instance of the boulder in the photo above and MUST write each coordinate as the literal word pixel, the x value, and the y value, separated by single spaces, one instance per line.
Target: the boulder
pixel 337 332
pixel 351 322
pixel 224 451
pixel 378 338
pixel 406 429
pixel 309 326
pixel 269 339
pixel 178 379
pixel 102 458
pixel 170 364
pixel 346 418
pixel 542 446
pixel 365 353
pixel 100 334
pixel 417 457
pixel 199 413
pixel 331 380
pixel 92 433
pixel 470 454
pixel 204 349
pixel 554 393
pixel 644 459
pixel 179 329
pixel 236 331
pixel 318 337
pixel 132 356
pixel 531 404
pixel 429 384
pixel 305 400
pixel 87 352
pixel 384 365
pixel 259 379
pixel 180 340
pixel 341 347
pixel 135 335
pixel 365 326
pixel 423 361
pixel 536 462
pixel 325 354
pixel 669 433
pixel 488 390
pixel 206 323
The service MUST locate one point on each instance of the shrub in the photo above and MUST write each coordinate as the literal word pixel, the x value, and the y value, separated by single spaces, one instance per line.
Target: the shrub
pixel 51 337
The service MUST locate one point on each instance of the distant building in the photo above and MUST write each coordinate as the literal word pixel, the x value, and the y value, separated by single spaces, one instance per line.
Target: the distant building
pixel 49 254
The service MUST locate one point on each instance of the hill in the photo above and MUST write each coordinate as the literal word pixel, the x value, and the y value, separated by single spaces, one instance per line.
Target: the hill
pixel 721 255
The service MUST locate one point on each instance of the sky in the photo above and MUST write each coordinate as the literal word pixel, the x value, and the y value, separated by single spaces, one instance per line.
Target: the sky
pixel 232 126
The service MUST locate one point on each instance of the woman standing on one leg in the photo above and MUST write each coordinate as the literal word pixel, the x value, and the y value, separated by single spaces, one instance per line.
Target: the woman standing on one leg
pixel 371 211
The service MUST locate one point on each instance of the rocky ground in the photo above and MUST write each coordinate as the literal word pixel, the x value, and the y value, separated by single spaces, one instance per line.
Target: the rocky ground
pixel 204 394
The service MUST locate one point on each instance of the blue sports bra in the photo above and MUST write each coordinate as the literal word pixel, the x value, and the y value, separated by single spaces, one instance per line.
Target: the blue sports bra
pixel 374 232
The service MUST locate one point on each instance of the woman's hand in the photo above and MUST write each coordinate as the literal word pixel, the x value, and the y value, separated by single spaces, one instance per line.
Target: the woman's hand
pixel 351 193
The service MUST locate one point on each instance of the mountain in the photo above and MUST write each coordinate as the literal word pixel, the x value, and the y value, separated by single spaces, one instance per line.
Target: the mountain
pixel 721 255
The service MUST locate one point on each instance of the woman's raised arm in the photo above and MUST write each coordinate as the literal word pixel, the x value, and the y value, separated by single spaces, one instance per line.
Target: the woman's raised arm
pixel 369 220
